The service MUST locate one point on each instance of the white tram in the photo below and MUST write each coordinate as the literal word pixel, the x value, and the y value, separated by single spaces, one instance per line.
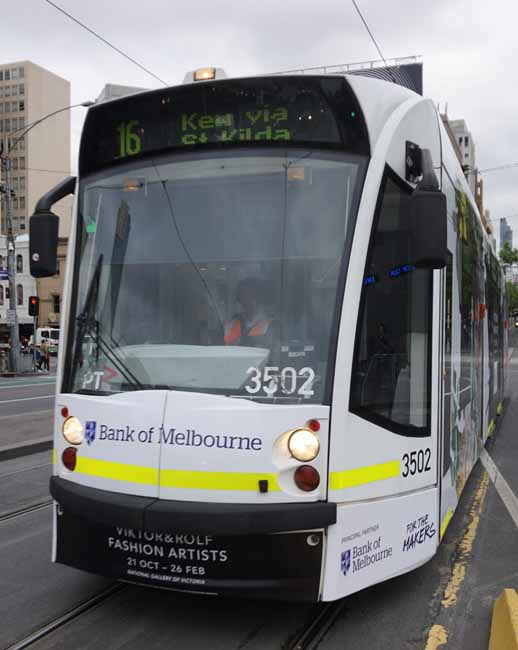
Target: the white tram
pixel 284 339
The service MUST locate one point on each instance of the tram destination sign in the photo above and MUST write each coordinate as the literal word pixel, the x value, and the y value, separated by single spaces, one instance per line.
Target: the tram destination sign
pixel 312 111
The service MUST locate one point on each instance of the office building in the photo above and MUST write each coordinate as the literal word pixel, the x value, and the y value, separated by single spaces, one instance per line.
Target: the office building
pixel 41 159
pixel 506 233
pixel 466 145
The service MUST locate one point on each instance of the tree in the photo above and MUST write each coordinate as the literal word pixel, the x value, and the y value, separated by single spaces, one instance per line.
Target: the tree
pixel 512 298
pixel 508 255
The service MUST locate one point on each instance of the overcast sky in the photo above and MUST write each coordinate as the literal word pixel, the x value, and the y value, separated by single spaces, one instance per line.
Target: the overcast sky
pixel 468 46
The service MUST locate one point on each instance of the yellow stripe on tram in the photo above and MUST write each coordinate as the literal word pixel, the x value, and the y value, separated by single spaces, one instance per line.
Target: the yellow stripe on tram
pixel 173 478
pixel 363 475
pixel 445 522
pixel 116 471
pixel 196 480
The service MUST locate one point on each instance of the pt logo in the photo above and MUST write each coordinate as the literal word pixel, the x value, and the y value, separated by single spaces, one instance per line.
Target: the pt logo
pixel 90 427
pixel 346 561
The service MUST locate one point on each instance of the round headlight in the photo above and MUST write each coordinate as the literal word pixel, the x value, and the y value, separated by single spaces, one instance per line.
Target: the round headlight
pixel 73 431
pixel 304 445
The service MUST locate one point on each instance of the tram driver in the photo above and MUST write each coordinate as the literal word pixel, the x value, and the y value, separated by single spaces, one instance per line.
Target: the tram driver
pixel 251 326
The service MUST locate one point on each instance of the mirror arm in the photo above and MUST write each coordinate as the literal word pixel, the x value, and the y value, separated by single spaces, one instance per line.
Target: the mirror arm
pixel 429 180
pixel 66 187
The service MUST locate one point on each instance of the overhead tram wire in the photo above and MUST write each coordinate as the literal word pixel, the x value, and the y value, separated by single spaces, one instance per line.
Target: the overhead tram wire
pixel 105 41
pixel 497 169
pixel 374 40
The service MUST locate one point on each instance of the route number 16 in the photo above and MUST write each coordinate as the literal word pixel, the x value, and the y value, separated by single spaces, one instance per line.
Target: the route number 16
pixel 271 379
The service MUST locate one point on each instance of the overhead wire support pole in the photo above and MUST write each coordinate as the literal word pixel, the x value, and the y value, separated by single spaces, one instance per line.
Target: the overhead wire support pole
pixel 11 268
pixel 5 165
pixel 106 42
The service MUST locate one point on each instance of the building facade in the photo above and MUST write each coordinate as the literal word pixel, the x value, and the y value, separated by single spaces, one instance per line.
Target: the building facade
pixel 506 233
pixel 38 160
pixel 465 143
pixel 25 287
pixel 41 158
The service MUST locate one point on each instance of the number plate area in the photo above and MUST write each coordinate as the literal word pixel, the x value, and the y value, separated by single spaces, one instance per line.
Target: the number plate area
pixel 284 566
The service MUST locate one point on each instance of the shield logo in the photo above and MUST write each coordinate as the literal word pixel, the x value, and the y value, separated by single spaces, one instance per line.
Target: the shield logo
pixel 90 427
pixel 346 561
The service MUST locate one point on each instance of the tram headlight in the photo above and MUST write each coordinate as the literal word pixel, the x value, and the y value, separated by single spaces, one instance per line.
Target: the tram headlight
pixel 73 431
pixel 304 445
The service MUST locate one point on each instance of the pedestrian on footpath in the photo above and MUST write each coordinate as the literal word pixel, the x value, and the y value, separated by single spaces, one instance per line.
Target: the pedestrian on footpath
pixel 45 355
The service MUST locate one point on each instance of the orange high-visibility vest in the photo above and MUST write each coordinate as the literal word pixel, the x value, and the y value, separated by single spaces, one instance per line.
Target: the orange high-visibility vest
pixel 234 330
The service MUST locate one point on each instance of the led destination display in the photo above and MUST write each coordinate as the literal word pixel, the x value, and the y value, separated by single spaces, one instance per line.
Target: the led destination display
pixel 276 110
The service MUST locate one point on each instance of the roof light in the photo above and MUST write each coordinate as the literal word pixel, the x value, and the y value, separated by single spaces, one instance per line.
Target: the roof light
pixel 204 74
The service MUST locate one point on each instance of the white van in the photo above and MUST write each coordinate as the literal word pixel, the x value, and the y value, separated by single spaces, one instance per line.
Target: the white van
pixel 49 333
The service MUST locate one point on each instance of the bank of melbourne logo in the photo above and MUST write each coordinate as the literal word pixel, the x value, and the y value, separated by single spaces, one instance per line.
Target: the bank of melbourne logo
pixel 90 427
pixel 346 561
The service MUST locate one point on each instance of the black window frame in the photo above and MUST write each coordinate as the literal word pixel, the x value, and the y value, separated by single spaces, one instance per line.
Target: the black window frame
pixel 406 430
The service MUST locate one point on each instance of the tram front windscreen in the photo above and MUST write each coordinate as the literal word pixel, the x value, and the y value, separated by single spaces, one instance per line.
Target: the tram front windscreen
pixel 213 271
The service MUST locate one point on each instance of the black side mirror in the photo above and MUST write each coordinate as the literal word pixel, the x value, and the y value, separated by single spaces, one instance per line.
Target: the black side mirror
pixel 428 219
pixel 44 230
pixel 43 247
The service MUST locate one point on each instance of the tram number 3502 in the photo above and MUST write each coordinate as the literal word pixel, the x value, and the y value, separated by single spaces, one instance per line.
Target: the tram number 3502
pixel 273 379
pixel 416 462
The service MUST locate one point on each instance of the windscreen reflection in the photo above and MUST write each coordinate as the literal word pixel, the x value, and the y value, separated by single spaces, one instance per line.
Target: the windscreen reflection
pixel 213 274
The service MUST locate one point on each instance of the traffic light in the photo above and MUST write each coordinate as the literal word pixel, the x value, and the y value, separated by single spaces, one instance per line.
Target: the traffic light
pixel 34 305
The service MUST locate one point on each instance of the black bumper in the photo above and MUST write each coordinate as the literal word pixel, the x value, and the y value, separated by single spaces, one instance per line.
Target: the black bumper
pixel 145 513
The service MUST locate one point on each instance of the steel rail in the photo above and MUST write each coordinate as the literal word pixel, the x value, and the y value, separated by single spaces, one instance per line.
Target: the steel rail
pixel 62 620
pixel 315 630
pixel 31 507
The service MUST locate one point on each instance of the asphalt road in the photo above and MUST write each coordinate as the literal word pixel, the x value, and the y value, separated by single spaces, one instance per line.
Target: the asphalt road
pixel 449 599
pixel 26 408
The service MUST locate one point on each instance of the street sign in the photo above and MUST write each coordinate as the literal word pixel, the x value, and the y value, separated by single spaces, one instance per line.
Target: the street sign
pixel 4 275
pixel 11 317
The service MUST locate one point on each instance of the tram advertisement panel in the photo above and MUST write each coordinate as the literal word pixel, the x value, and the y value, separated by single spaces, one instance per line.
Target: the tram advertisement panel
pixel 285 565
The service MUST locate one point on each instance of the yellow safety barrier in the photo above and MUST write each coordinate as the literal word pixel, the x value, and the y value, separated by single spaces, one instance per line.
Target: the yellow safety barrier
pixel 504 627
pixel 490 428
pixel 362 475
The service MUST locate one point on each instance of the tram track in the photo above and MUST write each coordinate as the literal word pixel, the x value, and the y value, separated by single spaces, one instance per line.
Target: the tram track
pixel 69 616
pixel 33 506
pixel 317 627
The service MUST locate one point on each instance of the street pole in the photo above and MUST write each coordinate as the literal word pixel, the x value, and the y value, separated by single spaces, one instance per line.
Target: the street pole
pixel 11 262
pixel 35 323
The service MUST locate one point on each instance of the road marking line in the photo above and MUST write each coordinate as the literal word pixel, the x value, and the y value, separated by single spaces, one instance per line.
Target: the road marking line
pixel 23 415
pixel 25 399
pixel 437 637
pixel 36 383
pixel 502 486
pixel 466 546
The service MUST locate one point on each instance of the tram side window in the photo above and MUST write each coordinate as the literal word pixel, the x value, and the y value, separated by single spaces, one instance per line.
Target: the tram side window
pixel 391 367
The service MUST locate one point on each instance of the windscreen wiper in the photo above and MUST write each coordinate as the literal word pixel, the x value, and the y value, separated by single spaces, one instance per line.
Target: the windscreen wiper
pixel 108 352
pixel 87 323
